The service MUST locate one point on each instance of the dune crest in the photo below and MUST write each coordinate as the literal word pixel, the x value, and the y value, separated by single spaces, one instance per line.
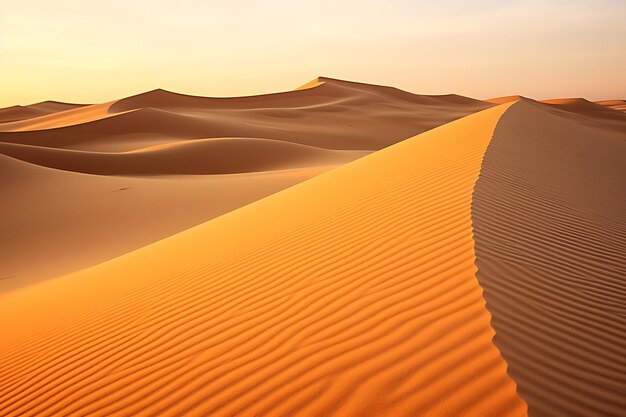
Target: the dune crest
pixel 550 232
pixel 506 99
pixel 314 301
pixel 337 114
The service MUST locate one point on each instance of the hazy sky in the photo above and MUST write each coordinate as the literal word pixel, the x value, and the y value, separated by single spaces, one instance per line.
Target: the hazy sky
pixel 94 51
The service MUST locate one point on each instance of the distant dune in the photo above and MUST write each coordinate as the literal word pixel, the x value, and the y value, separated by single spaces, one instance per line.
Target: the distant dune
pixel 16 113
pixel 343 249
pixel 332 115
pixel 619 105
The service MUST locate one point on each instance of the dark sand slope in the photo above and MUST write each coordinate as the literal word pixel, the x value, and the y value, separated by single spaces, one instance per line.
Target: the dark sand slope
pixel 550 230
pixel 208 156
pixel 58 221
pixel 351 295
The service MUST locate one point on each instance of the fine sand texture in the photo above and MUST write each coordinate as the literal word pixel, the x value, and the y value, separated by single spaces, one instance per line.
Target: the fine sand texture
pixel 351 294
pixel 550 232
pixel 83 184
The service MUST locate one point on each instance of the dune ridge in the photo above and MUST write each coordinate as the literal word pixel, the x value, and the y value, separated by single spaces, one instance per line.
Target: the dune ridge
pixel 619 105
pixel 355 303
pixel 549 226
pixel 206 157
pixel 335 114
pixel 17 113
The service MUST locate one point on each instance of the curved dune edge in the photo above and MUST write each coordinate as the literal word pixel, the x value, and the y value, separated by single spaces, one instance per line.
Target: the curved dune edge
pixel 549 229
pixel 352 294
pixel 198 157
pixel 337 114
pixel 19 113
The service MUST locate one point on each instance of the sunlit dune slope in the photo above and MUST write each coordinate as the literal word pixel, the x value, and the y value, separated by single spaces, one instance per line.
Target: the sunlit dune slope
pixel 16 113
pixel 65 118
pixel 334 115
pixel 352 294
pixel 550 231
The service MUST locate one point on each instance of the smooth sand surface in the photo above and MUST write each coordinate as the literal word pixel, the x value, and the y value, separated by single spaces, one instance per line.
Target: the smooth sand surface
pixel 351 294
pixel 55 222
pixel 16 113
pixel 333 115
pixel 619 105
pixel 550 229
pixel 604 116
pixel 217 154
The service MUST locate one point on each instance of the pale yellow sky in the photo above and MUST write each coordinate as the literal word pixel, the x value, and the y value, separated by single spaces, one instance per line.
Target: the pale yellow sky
pixel 95 51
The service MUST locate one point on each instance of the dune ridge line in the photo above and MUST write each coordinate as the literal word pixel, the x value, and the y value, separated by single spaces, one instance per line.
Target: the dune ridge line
pixel 356 303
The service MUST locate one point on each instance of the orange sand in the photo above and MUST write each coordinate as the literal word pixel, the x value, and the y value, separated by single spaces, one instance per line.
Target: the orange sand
pixel 156 262
pixel 353 294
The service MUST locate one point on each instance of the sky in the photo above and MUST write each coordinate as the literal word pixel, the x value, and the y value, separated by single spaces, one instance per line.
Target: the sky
pixel 97 51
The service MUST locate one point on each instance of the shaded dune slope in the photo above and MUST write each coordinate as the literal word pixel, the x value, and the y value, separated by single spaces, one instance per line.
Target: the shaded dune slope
pixel 209 156
pixel 67 221
pixel 550 232
pixel 315 301
pixel 334 115
pixel 588 111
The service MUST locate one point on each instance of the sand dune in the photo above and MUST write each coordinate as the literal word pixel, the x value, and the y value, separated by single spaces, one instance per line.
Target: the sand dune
pixel 589 111
pixel 314 301
pixel 550 231
pixel 619 105
pixel 291 254
pixel 65 118
pixel 333 115
pixel 505 99
pixel 59 222
pixel 16 113
pixel 160 133
pixel 208 156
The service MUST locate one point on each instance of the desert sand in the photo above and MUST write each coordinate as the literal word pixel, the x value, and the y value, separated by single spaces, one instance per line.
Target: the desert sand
pixel 548 216
pixel 342 249
pixel 188 159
